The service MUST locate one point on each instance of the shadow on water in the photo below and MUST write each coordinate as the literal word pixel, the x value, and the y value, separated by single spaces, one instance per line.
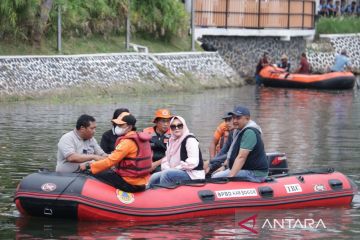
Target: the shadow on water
pixel 314 129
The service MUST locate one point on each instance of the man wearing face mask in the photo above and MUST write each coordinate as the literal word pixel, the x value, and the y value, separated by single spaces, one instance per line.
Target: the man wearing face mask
pixel 160 134
pixel 131 158
pixel 109 137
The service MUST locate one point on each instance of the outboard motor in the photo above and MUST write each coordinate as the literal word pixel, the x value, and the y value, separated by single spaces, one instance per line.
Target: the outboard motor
pixel 277 163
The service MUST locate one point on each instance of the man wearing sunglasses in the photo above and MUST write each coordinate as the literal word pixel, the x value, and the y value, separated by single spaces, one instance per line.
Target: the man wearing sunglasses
pixel 246 157
pixel 160 134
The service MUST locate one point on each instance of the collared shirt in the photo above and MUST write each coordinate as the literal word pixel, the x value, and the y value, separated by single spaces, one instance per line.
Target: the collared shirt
pixel 71 143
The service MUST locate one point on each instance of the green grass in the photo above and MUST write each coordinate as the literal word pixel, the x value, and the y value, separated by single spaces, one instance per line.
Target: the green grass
pixel 95 44
pixel 345 24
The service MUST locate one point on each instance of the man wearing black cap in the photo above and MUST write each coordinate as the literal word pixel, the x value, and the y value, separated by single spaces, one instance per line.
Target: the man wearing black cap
pixel 220 135
pixel 246 156
pixel 131 158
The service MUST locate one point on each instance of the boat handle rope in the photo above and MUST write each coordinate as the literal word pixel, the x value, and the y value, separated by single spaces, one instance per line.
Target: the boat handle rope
pixel 310 171
pixel 223 180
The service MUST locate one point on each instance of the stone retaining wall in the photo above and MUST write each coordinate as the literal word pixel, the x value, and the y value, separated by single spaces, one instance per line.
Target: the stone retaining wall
pixel 243 53
pixel 19 75
pixel 322 55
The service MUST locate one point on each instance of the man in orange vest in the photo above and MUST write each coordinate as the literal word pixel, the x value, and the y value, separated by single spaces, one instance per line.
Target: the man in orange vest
pixel 131 158
pixel 160 134
pixel 220 136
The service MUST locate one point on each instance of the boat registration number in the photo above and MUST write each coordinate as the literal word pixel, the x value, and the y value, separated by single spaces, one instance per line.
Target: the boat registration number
pixel 249 192
pixel 292 188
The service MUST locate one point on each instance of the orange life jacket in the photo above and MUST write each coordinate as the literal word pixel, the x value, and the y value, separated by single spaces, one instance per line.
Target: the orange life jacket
pixel 140 165
pixel 222 141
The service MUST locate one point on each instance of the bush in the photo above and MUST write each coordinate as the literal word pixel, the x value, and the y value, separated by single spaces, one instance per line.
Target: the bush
pixel 343 24
pixel 160 18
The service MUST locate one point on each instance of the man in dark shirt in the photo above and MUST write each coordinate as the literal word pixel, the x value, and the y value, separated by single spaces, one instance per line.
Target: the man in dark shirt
pixel 160 134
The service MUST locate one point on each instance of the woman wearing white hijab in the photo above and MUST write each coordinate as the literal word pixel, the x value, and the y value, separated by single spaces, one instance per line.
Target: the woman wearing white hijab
pixel 182 159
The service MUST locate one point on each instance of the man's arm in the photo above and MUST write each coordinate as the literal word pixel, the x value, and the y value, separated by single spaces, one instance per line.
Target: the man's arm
pixel 155 164
pixel 80 158
pixel 248 142
pixel 212 148
pixel 239 162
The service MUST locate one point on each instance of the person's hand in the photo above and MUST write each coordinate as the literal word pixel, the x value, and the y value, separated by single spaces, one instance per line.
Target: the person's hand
pixel 82 166
pixel 220 169
pixel 206 166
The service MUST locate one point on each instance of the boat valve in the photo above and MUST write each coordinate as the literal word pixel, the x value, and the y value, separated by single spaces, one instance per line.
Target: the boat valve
pixel 301 179
pixel 48 211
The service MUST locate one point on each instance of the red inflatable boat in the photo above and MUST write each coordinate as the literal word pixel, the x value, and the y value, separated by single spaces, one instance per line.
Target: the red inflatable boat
pixel 82 197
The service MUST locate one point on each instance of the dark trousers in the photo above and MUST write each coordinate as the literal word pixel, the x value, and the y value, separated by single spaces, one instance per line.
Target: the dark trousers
pixel 111 178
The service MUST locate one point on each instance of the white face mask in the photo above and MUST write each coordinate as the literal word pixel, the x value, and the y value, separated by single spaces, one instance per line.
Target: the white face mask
pixel 119 131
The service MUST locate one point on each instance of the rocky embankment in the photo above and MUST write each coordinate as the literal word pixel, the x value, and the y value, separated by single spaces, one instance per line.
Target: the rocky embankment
pixel 35 74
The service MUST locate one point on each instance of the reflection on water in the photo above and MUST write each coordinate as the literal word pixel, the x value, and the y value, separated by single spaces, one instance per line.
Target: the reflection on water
pixel 314 128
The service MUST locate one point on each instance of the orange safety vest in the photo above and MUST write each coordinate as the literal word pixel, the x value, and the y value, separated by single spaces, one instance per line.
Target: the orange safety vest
pixel 222 141
pixel 139 166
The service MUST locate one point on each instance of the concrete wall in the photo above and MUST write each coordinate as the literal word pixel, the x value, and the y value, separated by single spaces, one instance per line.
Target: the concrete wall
pixel 19 75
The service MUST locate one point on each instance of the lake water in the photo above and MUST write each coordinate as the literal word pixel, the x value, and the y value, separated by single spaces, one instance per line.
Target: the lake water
pixel 314 129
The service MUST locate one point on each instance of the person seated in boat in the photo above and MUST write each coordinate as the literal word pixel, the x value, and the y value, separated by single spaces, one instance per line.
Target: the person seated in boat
pixel 264 61
pixel 128 166
pixel 183 160
pixel 109 137
pixel 160 134
pixel 342 62
pixel 304 67
pixel 78 146
pixel 220 136
pixel 246 157
pixel 219 162
pixel 284 64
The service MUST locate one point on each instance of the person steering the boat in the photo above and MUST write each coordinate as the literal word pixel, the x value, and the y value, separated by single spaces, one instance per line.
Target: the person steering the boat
pixel 109 137
pixel 78 146
pixel 160 134
pixel 128 166
pixel 246 157
pixel 183 160
pixel 220 135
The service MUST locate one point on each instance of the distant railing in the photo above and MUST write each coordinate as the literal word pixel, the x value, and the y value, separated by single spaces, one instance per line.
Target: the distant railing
pixel 255 14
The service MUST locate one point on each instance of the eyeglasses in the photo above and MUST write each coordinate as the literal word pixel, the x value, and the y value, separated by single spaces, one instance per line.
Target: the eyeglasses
pixel 179 126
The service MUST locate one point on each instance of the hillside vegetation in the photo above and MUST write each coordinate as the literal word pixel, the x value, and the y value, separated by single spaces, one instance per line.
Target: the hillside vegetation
pixel 30 26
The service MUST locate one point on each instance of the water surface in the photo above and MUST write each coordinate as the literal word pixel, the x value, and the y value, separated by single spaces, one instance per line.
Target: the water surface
pixel 314 129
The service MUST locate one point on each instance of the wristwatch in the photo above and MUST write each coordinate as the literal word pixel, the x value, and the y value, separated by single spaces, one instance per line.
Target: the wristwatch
pixel 87 166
